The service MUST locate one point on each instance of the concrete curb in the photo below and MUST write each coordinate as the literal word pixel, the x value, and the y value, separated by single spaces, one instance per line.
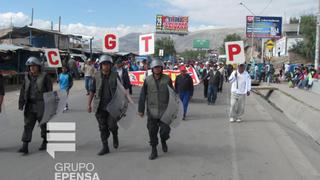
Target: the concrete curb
pixel 316 87
pixel 303 115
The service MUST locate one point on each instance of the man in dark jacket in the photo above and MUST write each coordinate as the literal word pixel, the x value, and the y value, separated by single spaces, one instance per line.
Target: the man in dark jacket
pixel 102 91
pixel 214 82
pixel 123 74
pixel 31 101
pixel 155 92
pixel 205 80
pixel 184 87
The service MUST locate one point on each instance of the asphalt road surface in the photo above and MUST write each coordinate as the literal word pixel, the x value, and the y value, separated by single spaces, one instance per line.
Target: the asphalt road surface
pixel 265 146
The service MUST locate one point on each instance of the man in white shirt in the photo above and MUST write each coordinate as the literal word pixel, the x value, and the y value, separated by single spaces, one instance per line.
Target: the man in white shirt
pixel 89 71
pixel 256 72
pixel 286 68
pixel 240 88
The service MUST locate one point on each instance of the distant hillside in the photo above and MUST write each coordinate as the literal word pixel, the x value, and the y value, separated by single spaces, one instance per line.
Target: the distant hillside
pixel 182 43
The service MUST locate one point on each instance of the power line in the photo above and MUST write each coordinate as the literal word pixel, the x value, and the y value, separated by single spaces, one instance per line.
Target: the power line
pixel 266 7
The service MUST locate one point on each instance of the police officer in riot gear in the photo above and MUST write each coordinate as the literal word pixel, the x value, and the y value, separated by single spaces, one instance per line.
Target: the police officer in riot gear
pixel 103 89
pixel 155 92
pixel 31 101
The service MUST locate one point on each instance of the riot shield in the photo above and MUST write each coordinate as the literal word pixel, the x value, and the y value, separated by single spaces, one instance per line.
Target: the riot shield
pixel 121 107
pixel 54 102
pixel 127 120
pixel 174 112
pixel 4 121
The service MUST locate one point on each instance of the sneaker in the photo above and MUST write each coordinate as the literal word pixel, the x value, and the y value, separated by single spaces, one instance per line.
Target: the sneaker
pixel 232 120
pixel 65 109
pixel 239 120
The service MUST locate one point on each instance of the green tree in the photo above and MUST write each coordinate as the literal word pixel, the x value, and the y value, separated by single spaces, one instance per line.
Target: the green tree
pixel 228 38
pixel 167 44
pixel 193 54
pixel 308 31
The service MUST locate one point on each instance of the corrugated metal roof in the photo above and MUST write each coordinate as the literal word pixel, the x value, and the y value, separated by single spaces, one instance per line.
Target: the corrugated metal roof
pixel 25 30
pixel 123 53
pixel 9 47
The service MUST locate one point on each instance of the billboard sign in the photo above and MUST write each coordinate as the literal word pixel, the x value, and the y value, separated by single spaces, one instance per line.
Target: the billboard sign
pixel 172 24
pixel 264 27
pixel 201 44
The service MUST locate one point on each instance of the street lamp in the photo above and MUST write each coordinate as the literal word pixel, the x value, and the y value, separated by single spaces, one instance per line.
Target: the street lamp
pixel 252 29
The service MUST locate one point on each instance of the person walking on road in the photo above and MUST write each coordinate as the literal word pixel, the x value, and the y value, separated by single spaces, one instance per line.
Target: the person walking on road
pixel 205 81
pixel 72 64
pixel 222 72
pixel 155 92
pixel 36 83
pixel 65 81
pixel 123 74
pixel 89 71
pixel 184 87
pixel 240 88
pixel 102 91
pixel 213 84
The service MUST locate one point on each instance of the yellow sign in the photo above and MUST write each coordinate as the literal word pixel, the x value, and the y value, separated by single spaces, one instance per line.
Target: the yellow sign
pixel 270 44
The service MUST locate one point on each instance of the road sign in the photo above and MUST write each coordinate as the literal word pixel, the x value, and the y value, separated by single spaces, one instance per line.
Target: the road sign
pixel 161 52
pixel 146 44
pixel 201 44
pixel 53 58
pixel 235 52
pixel 270 44
pixel 110 43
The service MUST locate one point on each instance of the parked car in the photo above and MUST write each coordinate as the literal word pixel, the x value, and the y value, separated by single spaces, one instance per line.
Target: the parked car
pixel 80 59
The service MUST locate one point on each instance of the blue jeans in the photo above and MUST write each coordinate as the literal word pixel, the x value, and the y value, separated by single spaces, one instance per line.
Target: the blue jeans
pixel 88 82
pixel 302 84
pixel 185 98
pixel 212 93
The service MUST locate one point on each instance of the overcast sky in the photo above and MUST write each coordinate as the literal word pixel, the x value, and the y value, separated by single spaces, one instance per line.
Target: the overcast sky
pixel 95 17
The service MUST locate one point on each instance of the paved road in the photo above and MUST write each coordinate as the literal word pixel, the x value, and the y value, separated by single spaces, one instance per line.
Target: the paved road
pixel 266 146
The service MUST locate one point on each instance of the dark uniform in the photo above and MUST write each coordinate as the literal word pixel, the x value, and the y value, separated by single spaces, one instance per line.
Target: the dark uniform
pixel 104 88
pixel 156 93
pixel 31 99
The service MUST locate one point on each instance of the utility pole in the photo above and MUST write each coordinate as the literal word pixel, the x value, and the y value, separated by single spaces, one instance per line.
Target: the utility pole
pixel 252 29
pixel 316 59
pixel 59 27
pixel 91 47
pixel 31 23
